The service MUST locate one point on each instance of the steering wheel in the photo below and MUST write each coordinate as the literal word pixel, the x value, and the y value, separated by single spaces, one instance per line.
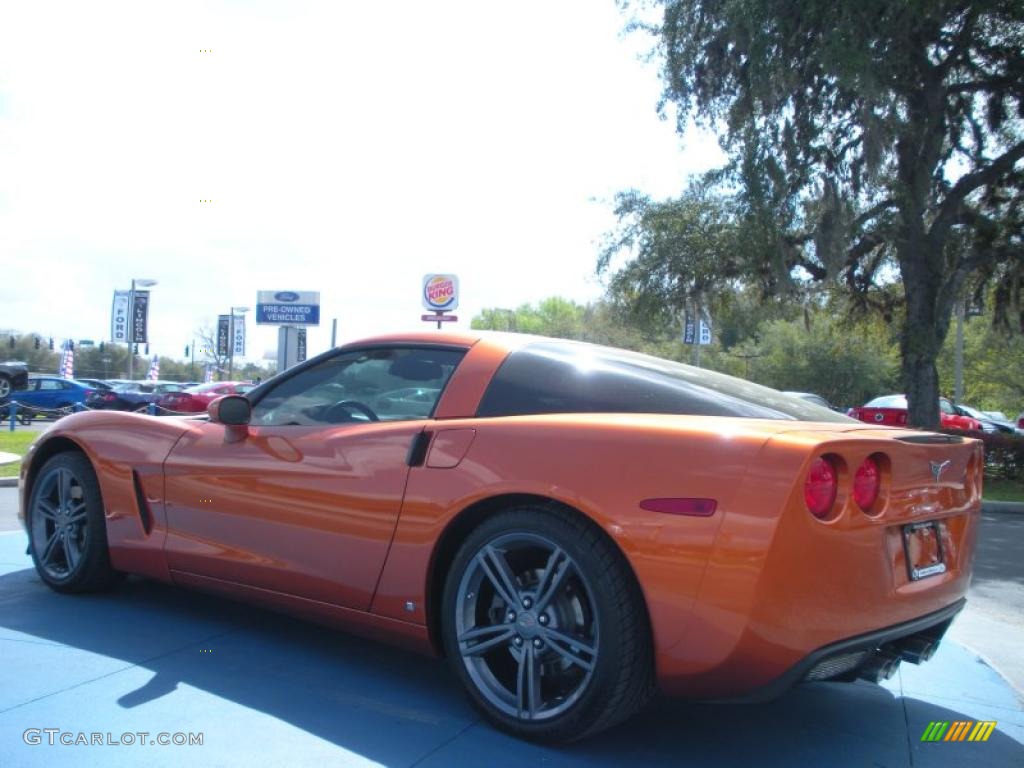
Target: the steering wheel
pixel 349 406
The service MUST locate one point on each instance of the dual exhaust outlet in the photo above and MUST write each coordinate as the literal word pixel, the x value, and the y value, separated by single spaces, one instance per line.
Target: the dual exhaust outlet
pixel 883 663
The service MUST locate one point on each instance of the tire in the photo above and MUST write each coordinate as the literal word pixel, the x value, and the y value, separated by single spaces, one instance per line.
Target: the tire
pixel 5 386
pixel 67 528
pixel 569 618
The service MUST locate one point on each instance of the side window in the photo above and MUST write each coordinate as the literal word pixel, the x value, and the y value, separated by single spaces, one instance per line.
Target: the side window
pixel 50 385
pixel 946 407
pixel 392 384
pixel 568 377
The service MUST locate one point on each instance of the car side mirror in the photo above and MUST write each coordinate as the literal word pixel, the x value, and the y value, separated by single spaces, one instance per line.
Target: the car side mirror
pixel 234 412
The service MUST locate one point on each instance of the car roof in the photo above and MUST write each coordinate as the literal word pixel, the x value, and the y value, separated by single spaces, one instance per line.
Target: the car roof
pixel 508 341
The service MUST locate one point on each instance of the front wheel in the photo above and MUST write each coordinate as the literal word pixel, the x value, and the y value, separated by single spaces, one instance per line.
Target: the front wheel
pixel 67 528
pixel 545 626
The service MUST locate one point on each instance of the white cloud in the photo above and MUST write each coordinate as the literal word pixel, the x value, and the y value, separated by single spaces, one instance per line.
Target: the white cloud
pixel 347 148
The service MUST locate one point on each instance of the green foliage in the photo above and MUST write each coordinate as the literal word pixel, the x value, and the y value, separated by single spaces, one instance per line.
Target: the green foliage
pixel 561 318
pixel 111 362
pixel 847 362
pixel 867 142
pixel 24 350
pixel 993 367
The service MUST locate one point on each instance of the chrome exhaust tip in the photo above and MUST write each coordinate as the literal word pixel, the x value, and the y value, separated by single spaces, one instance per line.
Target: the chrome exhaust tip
pixel 880 666
pixel 917 649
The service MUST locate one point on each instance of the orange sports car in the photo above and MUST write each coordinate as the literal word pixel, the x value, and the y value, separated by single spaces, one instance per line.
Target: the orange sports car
pixel 573 526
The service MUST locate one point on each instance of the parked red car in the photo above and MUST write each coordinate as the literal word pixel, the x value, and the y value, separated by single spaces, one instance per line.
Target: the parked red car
pixel 891 410
pixel 195 399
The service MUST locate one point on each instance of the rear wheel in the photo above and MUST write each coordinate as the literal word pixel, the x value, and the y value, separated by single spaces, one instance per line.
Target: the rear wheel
pixel 5 386
pixel 67 529
pixel 545 626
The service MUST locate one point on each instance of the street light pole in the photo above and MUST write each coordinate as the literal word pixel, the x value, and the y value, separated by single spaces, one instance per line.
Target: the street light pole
pixel 131 329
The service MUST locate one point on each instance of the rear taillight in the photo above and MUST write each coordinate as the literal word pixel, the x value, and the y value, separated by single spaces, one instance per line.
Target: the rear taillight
pixel 109 397
pixel 866 483
pixel 820 487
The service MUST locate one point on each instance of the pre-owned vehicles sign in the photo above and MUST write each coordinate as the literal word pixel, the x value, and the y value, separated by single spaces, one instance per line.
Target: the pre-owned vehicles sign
pixel 288 308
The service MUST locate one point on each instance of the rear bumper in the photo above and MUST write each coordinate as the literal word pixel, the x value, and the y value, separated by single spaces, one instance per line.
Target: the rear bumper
pixel 842 659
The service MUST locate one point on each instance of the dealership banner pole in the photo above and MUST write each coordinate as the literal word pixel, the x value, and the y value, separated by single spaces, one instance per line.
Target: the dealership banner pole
pixel 131 328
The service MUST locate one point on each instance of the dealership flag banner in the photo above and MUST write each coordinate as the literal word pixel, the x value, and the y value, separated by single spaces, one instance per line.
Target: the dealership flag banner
pixel 208 375
pixel 223 321
pixel 67 362
pixel 154 369
pixel 238 344
pixel 140 317
pixel 119 317
pixel 705 331
pixel 689 329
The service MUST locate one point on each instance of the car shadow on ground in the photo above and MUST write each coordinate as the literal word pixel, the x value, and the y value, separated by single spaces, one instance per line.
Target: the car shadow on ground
pixel 222 666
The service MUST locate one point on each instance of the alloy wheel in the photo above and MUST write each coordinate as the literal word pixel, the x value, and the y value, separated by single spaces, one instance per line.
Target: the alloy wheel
pixel 59 522
pixel 526 626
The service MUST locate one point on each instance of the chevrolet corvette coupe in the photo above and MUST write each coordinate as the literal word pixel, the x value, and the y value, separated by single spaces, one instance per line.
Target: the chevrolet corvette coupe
pixel 572 526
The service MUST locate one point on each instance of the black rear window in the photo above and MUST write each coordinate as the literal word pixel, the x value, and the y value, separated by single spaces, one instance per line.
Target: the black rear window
pixel 573 377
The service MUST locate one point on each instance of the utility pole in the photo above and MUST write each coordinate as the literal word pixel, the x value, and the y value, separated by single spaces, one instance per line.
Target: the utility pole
pixel 696 333
pixel 131 329
pixel 958 354
pixel 746 358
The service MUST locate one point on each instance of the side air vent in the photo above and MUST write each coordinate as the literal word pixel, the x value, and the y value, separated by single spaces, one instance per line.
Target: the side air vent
pixel 140 501
pixel 931 439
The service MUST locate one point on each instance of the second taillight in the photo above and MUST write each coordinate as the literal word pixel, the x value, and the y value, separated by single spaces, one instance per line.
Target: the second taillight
pixel 866 483
pixel 820 488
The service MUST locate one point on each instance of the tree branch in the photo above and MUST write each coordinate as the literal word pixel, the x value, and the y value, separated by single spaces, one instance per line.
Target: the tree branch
pixel 968 183
pixel 874 211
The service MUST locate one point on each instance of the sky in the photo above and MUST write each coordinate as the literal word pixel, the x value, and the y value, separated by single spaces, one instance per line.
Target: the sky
pixel 223 148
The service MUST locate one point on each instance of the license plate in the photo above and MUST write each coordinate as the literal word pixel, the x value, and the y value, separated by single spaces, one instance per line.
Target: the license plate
pixel 922 544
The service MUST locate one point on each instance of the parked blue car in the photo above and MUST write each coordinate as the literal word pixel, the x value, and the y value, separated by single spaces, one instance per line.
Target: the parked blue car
pixel 51 393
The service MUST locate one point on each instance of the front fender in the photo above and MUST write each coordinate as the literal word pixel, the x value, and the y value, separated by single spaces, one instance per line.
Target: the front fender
pixel 127 451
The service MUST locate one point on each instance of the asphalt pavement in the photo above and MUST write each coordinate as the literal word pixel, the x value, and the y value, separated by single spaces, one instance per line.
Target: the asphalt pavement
pixel 270 690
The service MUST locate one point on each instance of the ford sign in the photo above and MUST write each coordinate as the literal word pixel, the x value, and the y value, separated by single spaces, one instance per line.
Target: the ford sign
pixel 288 308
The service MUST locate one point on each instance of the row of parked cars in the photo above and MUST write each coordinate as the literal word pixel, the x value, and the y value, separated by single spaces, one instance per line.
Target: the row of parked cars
pixel 45 393
pixel 891 411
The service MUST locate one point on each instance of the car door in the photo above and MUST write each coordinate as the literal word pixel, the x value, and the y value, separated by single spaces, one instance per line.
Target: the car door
pixel 307 502
pixel 50 392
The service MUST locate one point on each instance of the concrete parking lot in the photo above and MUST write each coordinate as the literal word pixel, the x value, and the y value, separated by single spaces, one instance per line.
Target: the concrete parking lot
pixel 264 689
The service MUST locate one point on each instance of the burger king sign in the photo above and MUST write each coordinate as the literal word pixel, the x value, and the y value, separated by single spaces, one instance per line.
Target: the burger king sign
pixel 440 292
